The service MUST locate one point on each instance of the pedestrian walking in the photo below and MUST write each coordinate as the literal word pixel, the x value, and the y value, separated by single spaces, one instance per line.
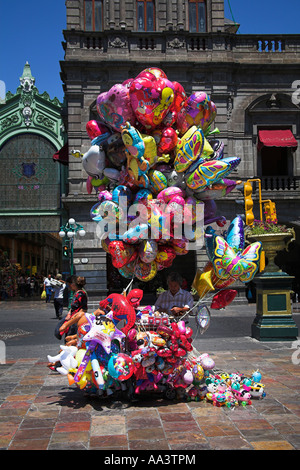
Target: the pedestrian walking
pixel 27 286
pixel 48 287
pixel 58 286
pixel 32 282
pixel 21 284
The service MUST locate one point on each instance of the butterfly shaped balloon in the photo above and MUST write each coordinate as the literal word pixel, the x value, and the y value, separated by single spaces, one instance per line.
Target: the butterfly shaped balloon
pixel 234 236
pixel 240 266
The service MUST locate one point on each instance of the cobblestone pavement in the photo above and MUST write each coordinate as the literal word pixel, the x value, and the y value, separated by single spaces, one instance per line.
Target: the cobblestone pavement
pixel 40 411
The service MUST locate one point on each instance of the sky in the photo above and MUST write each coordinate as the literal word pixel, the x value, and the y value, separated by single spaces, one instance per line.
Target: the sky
pixel 31 31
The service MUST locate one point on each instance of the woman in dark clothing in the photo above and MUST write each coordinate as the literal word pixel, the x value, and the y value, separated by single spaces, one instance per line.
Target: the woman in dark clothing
pixel 78 304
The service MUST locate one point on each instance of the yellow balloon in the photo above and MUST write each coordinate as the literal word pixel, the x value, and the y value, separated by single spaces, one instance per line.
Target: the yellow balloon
pixel 150 149
pixel 79 356
pixel 203 283
pixel 207 149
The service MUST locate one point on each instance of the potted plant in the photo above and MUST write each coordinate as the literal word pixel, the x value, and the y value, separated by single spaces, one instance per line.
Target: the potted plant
pixel 194 293
pixel 274 238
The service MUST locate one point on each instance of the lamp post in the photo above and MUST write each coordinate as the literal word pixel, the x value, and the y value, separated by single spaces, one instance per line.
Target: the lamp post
pixel 69 231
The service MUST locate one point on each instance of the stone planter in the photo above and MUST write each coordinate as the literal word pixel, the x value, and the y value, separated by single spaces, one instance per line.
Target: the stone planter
pixel 273 321
pixel 271 244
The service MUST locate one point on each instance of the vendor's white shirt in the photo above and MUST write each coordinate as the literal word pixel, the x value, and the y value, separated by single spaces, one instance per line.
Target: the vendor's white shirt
pixel 166 301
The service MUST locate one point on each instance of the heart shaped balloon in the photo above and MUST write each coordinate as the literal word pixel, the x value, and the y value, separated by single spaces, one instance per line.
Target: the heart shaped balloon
pixel 151 98
pixel 114 107
pixel 121 253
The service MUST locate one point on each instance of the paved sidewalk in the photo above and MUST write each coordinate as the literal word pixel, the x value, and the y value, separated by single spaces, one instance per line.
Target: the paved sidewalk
pixel 40 411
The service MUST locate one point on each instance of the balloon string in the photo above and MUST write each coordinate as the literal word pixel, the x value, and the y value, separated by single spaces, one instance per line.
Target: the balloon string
pixel 208 299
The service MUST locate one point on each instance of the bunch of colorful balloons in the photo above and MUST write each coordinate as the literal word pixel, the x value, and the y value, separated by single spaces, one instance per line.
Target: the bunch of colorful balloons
pixel 152 147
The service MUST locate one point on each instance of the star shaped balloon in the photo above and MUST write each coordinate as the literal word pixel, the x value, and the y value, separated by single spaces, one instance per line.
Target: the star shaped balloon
pixel 102 331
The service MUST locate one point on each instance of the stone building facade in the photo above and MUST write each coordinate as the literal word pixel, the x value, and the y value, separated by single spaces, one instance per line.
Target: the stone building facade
pixel 251 78
pixel 31 181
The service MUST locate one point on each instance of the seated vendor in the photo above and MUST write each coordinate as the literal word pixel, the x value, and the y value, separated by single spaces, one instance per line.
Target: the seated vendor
pixel 175 301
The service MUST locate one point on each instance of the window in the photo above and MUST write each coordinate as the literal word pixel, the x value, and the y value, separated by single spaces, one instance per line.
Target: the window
pixel 145 15
pixel 93 15
pixel 197 16
pixel 29 176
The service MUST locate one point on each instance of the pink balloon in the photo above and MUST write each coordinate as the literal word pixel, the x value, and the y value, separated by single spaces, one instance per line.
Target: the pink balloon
pixel 151 98
pixel 104 195
pixel 169 193
pixel 114 107
pixel 95 128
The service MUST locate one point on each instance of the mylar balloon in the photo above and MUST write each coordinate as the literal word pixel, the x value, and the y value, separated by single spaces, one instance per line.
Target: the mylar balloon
pixel 223 298
pixel 120 366
pixel 121 253
pixel 228 264
pixel 96 129
pixel 151 98
pixel 235 234
pixel 148 251
pixel 145 271
pixel 203 318
pixel 93 161
pixel 199 111
pixel 114 107
pixel 165 256
pixel 188 148
pixel 203 283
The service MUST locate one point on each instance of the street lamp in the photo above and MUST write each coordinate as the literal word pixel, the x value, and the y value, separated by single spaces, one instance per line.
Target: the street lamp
pixel 69 231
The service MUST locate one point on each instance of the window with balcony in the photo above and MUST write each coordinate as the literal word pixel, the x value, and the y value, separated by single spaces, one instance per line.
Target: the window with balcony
pixel 197 16
pixel 93 15
pixel 145 15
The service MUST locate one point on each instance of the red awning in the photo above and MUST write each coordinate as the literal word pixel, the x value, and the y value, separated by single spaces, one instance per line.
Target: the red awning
pixel 62 155
pixel 277 138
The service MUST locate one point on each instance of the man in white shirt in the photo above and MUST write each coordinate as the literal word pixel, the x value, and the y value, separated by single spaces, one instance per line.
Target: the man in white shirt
pixel 58 286
pixel 175 301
